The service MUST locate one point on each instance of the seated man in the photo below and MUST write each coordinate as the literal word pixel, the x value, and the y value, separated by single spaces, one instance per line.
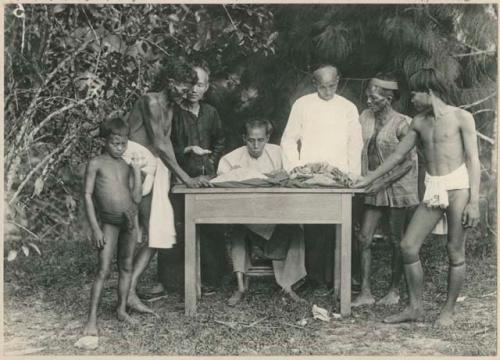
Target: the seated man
pixel 284 244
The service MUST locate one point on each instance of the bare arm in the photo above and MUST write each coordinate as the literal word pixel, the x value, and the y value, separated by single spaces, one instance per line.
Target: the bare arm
pixel 135 181
pixel 468 131
pixel 161 140
pixel 90 175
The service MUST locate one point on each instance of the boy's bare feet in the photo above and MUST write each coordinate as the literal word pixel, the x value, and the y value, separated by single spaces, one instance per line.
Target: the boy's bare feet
pixel 407 314
pixel 363 299
pixel 136 304
pixel 235 298
pixel 444 319
pixel 391 298
pixel 90 329
pixel 123 316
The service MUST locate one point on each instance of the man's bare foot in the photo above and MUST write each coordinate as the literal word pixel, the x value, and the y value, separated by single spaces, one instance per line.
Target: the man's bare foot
pixel 406 315
pixel 136 304
pixel 444 319
pixel 391 298
pixel 235 298
pixel 293 295
pixel 123 316
pixel 363 299
pixel 90 329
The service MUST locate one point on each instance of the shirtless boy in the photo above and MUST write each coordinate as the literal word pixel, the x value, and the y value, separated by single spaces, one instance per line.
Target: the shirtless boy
pixel 112 192
pixel 447 136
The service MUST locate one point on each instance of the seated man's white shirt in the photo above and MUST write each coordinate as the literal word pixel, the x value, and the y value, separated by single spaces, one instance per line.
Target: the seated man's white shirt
pixel 328 131
pixel 270 160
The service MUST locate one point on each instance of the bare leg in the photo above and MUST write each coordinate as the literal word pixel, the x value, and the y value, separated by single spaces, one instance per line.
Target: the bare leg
pixel 126 246
pixel 238 294
pixel 397 221
pixel 420 227
pixel 371 218
pixel 105 258
pixel 140 264
pixel 456 253
pixel 240 260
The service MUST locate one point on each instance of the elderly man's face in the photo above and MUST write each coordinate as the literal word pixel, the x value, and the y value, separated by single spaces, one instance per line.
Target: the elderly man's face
pixel 199 89
pixel 326 81
pixel 256 139
pixel 375 99
pixel 179 90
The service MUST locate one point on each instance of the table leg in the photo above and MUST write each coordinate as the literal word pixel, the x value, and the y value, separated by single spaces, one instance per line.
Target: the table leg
pixel 345 263
pixel 198 264
pixel 336 270
pixel 190 259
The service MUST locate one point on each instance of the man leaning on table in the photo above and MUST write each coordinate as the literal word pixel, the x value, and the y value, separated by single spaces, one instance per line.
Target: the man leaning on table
pixel 322 127
pixel 284 244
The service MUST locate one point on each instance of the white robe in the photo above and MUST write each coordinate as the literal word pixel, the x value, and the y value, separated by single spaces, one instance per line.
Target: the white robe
pixel 328 131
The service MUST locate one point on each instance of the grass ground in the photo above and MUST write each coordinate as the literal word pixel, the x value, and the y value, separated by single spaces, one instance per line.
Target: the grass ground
pixel 46 300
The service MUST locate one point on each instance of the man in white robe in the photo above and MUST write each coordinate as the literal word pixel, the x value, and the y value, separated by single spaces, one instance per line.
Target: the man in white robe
pixel 323 127
pixel 284 244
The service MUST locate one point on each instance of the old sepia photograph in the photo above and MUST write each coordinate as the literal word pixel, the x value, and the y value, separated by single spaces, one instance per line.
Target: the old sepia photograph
pixel 250 179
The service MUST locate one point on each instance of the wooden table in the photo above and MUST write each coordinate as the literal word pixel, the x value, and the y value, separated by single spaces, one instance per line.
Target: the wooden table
pixel 267 206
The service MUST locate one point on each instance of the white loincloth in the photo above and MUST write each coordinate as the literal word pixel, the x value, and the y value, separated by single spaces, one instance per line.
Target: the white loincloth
pixel 161 221
pixel 436 192
pixel 149 167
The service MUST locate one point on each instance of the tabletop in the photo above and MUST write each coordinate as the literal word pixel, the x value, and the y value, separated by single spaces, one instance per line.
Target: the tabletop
pixel 182 189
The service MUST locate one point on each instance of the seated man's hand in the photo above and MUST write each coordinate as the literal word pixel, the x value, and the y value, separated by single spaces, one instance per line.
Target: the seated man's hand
pixel 195 149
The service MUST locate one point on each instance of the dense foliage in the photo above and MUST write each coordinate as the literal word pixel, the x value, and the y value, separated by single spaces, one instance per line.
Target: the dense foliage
pixel 67 67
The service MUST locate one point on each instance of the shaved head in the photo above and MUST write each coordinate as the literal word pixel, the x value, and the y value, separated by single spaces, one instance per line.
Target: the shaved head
pixel 325 79
pixel 325 73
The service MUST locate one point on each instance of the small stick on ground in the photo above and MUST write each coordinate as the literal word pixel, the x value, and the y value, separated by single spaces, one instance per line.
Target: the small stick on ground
pixel 157 298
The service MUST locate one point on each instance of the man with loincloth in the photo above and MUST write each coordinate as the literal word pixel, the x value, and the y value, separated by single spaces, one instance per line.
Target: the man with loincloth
pixel 284 244
pixel 150 123
pixel 447 135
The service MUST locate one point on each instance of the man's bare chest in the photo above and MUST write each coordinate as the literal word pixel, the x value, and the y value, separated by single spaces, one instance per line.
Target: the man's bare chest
pixel 439 131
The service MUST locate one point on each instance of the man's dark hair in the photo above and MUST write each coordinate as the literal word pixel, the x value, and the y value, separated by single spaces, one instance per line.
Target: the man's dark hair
pixel 202 64
pixel 114 126
pixel 257 122
pixel 388 76
pixel 427 79
pixel 177 69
